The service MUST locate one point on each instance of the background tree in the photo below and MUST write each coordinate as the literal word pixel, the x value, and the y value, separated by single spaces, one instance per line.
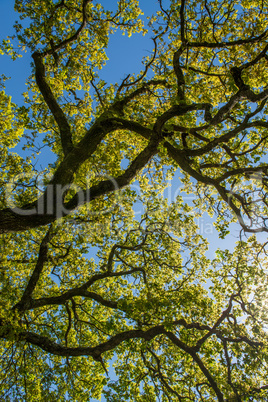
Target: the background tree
pixel 178 325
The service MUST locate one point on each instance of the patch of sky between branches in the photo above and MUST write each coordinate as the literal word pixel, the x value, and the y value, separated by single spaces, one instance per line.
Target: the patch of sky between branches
pixel 125 53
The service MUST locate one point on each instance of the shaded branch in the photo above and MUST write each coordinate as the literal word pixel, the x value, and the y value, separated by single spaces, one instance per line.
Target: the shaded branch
pixel 58 114
pixel 35 214
pixel 25 300
pixel 182 22
pixel 72 38
pixel 223 44
pixel 198 361
pixel 118 105
pixel 82 291
pixel 108 186
pixel 49 346
pixel 179 74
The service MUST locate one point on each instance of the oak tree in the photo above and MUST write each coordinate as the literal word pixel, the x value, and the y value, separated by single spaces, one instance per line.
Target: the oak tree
pixel 87 284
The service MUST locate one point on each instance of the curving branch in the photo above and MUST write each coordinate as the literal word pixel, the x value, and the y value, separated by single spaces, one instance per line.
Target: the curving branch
pixel 25 300
pixel 179 156
pixel 72 38
pixel 96 352
pixel 57 112
pixel 108 186
pixel 219 45
pixel 81 291
pixel 35 214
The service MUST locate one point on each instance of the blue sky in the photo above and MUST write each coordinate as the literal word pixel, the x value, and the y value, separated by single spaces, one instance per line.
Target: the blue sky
pixel 19 69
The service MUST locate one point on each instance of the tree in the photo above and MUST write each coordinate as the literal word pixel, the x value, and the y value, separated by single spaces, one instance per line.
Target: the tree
pixel 83 282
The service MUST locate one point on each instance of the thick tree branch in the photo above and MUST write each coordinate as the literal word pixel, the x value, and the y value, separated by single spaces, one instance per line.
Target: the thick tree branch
pixel 178 110
pixel 96 351
pixel 179 74
pixel 35 214
pixel 25 300
pixel 59 116
pixel 108 186
pixel 182 22
pixel 82 291
pixel 198 361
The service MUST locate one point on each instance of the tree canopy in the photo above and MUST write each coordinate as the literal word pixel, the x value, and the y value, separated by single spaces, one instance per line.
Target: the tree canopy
pixel 85 282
